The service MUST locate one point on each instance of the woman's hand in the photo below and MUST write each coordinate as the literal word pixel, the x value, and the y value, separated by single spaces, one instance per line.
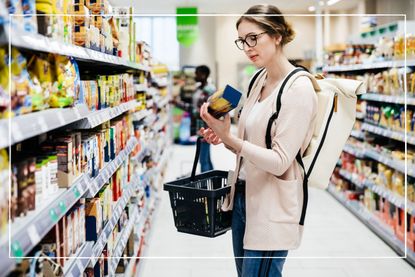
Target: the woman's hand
pixel 210 136
pixel 220 129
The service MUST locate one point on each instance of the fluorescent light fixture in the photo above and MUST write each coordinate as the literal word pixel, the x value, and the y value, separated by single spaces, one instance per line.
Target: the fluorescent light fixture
pixel 332 2
pixel 311 9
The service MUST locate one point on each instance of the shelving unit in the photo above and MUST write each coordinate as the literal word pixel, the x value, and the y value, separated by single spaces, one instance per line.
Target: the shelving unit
pixel 384 138
pixel 396 135
pixel 84 56
pixel 28 231
pixel 77 265
pixel 109 227
pixel 388 99
pixel 368 66
pixel 378 227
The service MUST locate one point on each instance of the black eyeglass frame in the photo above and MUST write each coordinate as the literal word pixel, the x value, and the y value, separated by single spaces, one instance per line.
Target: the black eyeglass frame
pixel 243 40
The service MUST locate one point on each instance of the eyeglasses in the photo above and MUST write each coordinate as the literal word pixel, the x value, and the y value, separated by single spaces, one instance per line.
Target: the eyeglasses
pixel 251 40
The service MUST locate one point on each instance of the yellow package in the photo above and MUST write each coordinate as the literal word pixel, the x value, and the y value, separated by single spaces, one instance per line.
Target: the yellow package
pixel 80 14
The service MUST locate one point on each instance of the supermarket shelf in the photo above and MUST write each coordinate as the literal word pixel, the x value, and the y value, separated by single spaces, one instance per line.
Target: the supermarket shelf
pixel 111 168
pixel 373 224
pixel 30 125
pixel 358 153
pixel 117 211
pixel 150 119
pixel 37 42
pixel 79 262
pixel 33 228
pixel 357 134
pixel 138 116
pixel 160 124
pixel 397 135
pixel 96 118
pixel 140 227
pixel 388 98
pixel 376 65
pixel 398 165
pixel 352 177
pixel 392 197
pixel 140 87
pixel 140 155
pixel 122 242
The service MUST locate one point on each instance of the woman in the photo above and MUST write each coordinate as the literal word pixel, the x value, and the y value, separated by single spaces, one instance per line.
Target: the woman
pixel 267 196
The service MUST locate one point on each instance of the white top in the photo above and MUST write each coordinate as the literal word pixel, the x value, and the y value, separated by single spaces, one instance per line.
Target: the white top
pixel 257 109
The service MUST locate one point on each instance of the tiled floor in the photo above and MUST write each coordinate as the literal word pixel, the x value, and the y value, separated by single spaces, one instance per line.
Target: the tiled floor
pixel 335 243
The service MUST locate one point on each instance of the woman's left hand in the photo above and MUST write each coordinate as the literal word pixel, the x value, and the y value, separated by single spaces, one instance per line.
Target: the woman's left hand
pixel 220 127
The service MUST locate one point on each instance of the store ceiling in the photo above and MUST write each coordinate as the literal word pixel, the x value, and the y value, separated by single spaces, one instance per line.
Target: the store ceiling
pixel 227 6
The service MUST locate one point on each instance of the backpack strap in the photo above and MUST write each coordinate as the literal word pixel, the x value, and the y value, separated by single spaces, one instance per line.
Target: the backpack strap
pixel 299 159
pixel 274 116
pixel 305 188
pixel 252 82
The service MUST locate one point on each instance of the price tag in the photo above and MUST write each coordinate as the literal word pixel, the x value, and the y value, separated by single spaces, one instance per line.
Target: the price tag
pixel 77 114
pixel 60 118
pixel 33 234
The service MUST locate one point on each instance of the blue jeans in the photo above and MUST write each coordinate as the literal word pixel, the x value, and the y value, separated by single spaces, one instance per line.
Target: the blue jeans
pixel 252 264
pixel 205 162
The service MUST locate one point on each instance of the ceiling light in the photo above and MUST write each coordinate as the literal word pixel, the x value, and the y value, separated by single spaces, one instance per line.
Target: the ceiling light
pixel 332 2
pixel 311 9
pixel 321 3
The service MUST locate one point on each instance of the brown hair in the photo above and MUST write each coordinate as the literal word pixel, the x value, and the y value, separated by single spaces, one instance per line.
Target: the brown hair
pixel 274 24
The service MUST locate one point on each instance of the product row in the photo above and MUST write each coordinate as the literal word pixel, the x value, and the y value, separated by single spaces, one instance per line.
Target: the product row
pixel 388 82
pixel 379 174
pixel 391 117
pixel 41 81
pixel 394 218
pixel 384 50
pixel 81 22
pixel 38 171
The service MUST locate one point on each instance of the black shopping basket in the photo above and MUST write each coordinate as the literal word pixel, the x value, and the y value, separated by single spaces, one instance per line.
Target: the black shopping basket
pixel 196 201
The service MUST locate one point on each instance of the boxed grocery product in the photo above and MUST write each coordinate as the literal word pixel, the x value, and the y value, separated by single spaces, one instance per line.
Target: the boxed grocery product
pixel 45 17
pixel 80 13
pixel 96 6
pixel 93 219
pixel 223 101
pixel 29 18
pixel 69 236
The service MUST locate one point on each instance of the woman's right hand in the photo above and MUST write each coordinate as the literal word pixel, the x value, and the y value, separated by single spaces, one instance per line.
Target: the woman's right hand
pixel 210 136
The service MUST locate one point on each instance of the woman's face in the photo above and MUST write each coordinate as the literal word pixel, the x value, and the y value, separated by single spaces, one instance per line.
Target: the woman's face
pixel 266 45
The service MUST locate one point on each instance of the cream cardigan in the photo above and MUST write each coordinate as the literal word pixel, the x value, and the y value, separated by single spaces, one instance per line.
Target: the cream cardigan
pixel 274 194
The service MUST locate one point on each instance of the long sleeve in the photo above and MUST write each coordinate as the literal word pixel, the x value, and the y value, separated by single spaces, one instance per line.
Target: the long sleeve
pixel 298 109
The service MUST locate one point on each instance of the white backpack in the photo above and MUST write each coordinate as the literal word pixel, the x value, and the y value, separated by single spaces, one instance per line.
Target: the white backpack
pixel 336 114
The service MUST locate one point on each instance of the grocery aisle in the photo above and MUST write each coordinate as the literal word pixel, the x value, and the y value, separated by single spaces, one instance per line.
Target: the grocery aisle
pixel 332 231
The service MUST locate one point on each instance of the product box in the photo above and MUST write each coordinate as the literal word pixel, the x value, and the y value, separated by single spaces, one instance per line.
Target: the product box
pixel 81 13
pixel 69 236
pixel 93 218
pixel 223 101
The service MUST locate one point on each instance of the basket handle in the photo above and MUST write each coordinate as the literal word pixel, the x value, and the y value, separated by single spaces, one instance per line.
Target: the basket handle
pixel 197 154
